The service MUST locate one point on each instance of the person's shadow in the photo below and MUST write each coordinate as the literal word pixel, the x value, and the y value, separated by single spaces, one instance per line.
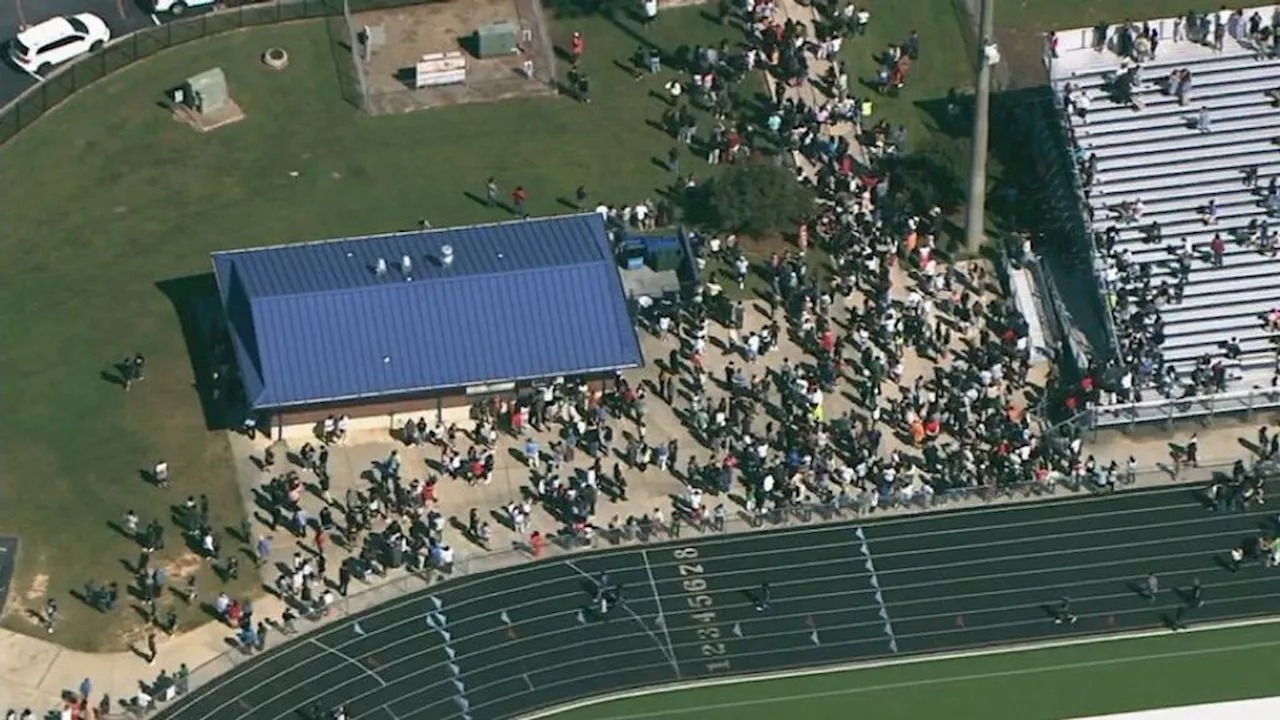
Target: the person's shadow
pixel 116 375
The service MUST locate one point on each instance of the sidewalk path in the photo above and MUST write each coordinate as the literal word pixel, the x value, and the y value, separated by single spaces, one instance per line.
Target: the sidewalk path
pixel 808 91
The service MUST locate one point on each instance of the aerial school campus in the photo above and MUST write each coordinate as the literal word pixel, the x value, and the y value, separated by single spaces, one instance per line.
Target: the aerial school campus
pixel 488 359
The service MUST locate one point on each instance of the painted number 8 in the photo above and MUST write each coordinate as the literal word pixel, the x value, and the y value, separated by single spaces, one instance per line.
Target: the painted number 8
pixel 686 554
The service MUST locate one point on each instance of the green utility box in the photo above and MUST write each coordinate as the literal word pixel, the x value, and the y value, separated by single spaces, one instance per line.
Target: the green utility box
pixel 207 92
pixel 497 39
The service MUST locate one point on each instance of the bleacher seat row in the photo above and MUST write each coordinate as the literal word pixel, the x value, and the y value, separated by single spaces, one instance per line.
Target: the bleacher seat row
pixel 1156 154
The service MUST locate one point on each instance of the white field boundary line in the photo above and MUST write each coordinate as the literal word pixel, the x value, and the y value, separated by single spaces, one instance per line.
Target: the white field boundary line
pixel 666 650
pixel 917 660
pixel 662 618
pixel 348 659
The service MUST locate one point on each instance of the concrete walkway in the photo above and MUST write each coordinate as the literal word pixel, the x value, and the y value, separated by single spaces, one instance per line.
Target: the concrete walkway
pixel 808 91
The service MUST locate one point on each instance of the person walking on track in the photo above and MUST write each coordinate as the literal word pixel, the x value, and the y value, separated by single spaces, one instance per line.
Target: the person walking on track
pixel 1062 615
pixel 1151 588
pixel 763 599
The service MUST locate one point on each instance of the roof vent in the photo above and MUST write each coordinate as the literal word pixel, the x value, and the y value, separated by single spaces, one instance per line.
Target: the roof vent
pixel 380 267
pixel 406 265
pixel 446 256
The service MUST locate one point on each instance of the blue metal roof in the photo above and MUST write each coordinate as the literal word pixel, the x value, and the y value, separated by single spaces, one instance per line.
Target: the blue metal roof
pixel 527 299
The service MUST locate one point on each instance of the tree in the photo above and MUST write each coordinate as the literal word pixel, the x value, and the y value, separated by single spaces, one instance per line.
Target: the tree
pixel 757 198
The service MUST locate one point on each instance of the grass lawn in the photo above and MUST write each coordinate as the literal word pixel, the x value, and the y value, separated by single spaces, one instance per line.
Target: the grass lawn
pixel 1077 681
pixel 941 67
pixel 110 199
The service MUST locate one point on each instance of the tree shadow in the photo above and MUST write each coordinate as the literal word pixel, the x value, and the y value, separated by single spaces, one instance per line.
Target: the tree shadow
pixel 197 303
pixel 951 116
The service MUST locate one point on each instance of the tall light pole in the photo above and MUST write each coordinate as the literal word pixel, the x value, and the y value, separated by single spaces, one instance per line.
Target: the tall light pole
pixel 975 221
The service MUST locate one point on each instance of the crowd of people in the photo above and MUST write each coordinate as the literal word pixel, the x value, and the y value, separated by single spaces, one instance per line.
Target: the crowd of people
pixel 937 367
pixel 931 358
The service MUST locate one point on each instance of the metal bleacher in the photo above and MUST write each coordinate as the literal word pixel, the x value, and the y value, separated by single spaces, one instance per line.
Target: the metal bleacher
pixel 1157 154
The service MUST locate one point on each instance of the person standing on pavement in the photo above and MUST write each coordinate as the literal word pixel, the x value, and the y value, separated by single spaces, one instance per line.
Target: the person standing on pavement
pixel 287 621
pixel 344 579
pixel 152 650
pixel 262 550
pixel 262 636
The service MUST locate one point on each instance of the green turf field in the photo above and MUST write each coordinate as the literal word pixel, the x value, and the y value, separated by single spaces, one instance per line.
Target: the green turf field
pixel 1096 678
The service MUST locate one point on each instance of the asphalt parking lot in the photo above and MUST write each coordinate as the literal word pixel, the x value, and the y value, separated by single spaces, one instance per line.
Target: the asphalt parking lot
pixel 122 16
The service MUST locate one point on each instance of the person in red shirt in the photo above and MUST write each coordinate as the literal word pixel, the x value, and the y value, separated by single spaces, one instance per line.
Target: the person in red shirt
pixel 932 428
pixel 827 341
pixel 1218 248
pixel 518 198
pixel 733 142
pixel 576 46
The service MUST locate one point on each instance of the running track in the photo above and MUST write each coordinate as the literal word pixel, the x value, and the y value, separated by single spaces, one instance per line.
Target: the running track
pixel 526 638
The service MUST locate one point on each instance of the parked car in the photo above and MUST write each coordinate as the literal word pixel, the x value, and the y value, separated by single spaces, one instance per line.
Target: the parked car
pixel 57 40
pixel 177 7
